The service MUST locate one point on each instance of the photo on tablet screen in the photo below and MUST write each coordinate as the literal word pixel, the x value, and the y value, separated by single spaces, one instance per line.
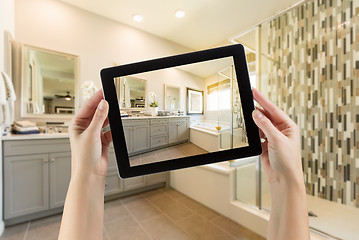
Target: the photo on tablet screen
pixel 199 112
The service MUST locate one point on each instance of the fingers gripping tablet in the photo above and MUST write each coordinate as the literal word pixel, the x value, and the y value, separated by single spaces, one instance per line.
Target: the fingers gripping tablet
pixel 205 103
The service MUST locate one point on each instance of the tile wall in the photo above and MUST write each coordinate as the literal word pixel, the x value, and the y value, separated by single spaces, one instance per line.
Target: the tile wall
pixel 315 78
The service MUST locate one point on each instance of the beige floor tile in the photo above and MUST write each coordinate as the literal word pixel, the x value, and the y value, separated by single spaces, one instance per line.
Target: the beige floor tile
pixel 114 210
pixel 126 229
pixel 174 194
pixel 141 209
pixel 200 228
pixel 202 210
pixel 161 228
pixel 163 154
pixel 153 194
pixel 176 152
pixel 236 230
pixel 46 228
pixel 16 232
pixel 135 160
pixel 149 158
pixel 172 208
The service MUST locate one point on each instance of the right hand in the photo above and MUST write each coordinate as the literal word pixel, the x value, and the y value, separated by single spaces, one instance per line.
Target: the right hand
pixel 281 153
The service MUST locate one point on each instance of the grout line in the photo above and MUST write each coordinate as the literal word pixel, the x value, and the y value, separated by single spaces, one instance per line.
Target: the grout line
pixel 143 229
pixel 27 229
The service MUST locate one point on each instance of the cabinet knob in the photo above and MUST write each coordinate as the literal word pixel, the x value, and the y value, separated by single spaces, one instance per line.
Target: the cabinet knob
pixel 46 161
pixel 52 160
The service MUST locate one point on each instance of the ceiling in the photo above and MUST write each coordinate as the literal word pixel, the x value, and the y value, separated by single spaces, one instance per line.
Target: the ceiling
pixel 207 23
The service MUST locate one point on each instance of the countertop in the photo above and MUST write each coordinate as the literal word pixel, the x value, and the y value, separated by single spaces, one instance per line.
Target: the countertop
pixel 13 137
pixel 150 117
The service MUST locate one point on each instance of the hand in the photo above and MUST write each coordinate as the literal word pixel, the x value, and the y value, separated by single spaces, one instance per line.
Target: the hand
pixel 281 153
pixel 89 145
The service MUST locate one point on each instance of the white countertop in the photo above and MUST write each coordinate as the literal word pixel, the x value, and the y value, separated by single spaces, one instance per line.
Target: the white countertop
pixel 13 137
pixel 150 117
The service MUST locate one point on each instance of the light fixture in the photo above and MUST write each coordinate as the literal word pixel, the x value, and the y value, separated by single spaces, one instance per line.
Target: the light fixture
pixel 137 17
pixel 180 13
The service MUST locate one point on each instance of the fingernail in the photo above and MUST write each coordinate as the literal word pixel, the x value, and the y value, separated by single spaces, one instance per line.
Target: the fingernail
pixel 101 106
pixel 257 114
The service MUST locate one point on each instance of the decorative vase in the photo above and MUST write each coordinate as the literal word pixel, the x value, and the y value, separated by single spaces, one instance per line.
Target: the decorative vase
pixel 154 111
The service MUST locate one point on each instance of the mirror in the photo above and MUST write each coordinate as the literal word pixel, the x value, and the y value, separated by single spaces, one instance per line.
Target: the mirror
pixel 48 82
pixel 172 97
pixel 131 92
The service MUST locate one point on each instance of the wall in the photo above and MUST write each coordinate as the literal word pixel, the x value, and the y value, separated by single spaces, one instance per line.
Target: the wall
pixel 315 79
pixel 7 20
pixel 99 42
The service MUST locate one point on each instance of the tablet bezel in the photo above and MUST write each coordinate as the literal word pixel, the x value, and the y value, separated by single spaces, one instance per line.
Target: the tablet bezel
pixel 119 143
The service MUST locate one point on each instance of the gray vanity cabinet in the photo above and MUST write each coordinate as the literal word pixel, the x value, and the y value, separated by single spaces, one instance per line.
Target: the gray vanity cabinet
pixel 137 135
pixel 60 175
pixel 178 130
pixel 26 185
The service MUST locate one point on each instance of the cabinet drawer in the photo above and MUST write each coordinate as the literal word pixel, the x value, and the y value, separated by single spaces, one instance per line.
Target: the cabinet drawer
pixel 159 121
pixel 113 183
pixel 25 147
pixel 178 120
pixel 134 122
pixel 159 141
pixel 159 129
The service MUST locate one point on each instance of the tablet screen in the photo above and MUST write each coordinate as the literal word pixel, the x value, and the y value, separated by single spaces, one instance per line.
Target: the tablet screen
pixel 205 112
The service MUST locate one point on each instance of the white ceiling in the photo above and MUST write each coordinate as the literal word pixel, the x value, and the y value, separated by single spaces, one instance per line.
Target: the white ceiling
pixel 207 22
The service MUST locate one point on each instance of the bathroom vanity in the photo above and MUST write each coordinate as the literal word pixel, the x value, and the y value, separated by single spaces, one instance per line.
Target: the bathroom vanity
pixel 37 168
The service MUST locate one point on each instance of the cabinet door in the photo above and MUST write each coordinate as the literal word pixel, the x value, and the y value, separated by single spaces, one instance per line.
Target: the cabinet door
pixel 182 129
pixel 134 182
pixel 156 178
pixel 60 174
pixel 26 184
pixel 172 133
pixel 113 183
pixel 141 138
pixel 128 137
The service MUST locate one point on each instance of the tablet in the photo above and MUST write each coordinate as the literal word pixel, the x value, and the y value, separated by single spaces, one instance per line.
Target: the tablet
pixel 181 111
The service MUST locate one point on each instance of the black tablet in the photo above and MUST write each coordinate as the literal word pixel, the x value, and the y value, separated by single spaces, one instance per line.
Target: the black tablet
pixel 181 111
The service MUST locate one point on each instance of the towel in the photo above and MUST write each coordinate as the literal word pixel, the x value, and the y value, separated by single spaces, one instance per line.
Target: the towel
pixel 25 124
pixel 7 92
pixel 9 87
pixel 24 129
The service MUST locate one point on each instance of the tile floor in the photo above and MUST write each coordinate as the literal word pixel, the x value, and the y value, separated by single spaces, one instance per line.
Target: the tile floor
pixel 158 214
pixel 176 151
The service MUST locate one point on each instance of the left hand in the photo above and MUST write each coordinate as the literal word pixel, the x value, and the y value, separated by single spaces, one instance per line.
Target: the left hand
pixel 89 145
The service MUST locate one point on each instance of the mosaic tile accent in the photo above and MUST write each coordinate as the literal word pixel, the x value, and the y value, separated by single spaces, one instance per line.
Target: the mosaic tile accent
pixel 316 81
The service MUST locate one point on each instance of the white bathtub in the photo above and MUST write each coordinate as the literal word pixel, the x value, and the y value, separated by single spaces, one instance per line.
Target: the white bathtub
pixel 205 135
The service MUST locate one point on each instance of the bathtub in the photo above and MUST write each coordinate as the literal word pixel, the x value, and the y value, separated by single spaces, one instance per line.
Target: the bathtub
pixel 205 135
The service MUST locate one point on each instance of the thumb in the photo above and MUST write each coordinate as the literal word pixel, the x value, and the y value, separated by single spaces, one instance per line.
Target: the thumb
pixel 269 130
pixel 99 117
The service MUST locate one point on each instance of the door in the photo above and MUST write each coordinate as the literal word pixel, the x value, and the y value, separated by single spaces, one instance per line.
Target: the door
pixel 141 138
pixel 128 138
pixel 182 129
pixel 60 174
pixel 26 184
pixel 172 133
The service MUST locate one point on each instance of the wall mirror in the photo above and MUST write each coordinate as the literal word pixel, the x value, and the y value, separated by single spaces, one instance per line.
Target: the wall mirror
pixel 131 92
pixel 48 83
pixel 172 97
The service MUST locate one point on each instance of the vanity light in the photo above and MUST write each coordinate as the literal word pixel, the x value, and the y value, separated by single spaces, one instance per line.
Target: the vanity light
pixel 137 18
pixel 180 13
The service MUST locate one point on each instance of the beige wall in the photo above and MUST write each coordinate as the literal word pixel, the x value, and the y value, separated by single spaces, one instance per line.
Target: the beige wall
pixel 99 42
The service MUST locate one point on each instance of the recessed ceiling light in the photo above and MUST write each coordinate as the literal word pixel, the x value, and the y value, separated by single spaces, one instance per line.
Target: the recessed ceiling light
pixel 180 13
pixel 137 17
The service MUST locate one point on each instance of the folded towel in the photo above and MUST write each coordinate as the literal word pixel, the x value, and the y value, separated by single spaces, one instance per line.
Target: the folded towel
pixel 25 124
pixel 9 87
pixel 24 129
pixel 27 132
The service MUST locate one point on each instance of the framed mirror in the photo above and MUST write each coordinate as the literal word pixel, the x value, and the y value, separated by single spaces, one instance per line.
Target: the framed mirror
pixel 172 97
pixel 49 80
pixel 131 92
